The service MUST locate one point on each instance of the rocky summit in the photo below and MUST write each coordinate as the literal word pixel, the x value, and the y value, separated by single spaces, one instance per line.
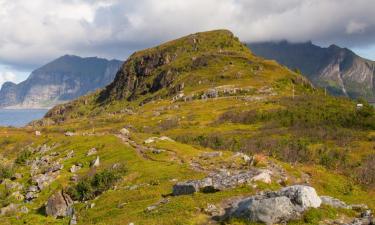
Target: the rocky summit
pixel 198 130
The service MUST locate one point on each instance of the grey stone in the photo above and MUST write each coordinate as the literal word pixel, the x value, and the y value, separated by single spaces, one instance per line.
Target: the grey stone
pixel 186 188
pixel 9 209
pixel 95 162
pixel 31 195
pixel 59 205
pixel 92 151
pixel 266 210
pixel 303 196
pixel 208 155
pixel 334 202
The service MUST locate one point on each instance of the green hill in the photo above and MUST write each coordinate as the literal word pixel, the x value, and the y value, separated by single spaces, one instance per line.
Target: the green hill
pixel 202 106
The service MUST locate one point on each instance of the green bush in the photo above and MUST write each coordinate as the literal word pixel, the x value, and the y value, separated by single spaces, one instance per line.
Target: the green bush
pixel 23 157
pixel 90 187
pixel 6 172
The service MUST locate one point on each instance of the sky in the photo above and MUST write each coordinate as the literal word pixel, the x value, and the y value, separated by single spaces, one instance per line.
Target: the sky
pixel 35 32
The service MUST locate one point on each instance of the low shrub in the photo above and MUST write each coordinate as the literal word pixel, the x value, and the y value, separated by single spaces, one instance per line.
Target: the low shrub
pixel 23 157
pixel 6 171
pixel 92 186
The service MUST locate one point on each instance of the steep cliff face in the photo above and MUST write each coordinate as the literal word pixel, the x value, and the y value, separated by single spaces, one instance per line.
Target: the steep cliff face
pixel 63 79
pixel 340 70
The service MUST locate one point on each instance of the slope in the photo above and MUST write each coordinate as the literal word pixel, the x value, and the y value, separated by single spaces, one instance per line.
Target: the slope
pixel 340 70
pixel 63 79
pixel 242 116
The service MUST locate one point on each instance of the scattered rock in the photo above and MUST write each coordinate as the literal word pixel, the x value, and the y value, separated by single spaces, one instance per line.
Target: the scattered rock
pixel 264 176
pixel 165 138
pixel 154 139
pixel 150 140
pixel 24 210
pixel 73 220
pixel 333 202
pixel 212 210
pixel 12 185
pixel 31 195
pixel 33 188
pixel 38 133
pixel 186 188
pixel 125 131
pixel 157 151
pixel 74 168
pixel 156 205
pixel 220 181
pixel 209 155
pixel 10 209
pixel 245 157
pixel 95 162
pixel 69 134
pixel 59 205
pixel 56 166
pixel 74 178
pixel 17 176
pixel 44 180
pixel 69 155
pixel 92 151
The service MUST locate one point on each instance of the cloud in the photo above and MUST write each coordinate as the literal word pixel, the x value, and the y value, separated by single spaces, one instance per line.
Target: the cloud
pixel 35 32
pixel 7 76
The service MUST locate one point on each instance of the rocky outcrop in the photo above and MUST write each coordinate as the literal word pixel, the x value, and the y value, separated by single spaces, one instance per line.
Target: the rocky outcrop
pixel 340 70
pixel 63 79
pixel 221 181
pixel 59 205
pixel 276 207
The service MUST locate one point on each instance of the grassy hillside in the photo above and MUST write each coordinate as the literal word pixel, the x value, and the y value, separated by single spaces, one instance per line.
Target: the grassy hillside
pixel 218 96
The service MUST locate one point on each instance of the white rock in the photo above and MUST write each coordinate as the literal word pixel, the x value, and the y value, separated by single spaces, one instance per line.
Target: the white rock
pixel 264 176
pixel 165 138
pixel 150 140
pixel 304 196
pixel 92 151
pixel 124 131
pixel 38 133
pixel 266 210
pixel 69 134
pixel 95 162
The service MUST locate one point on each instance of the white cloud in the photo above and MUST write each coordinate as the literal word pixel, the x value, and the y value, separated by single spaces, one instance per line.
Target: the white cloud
pixel 356 27
pixel 7 76
pixel 34 32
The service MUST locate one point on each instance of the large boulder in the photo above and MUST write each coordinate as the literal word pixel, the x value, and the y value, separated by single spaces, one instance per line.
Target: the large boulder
pixel 186 188
pixel 266 210
pixel 276 207
pixel 303 196
pixel 59 205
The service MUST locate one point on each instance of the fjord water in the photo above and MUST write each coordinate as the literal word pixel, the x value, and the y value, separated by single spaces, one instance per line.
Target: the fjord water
pixel 20 117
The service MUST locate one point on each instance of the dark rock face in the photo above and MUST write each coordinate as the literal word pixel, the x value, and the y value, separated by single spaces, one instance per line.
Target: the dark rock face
pixel 63 79
pixel 59 205
pixel 340 70
pixel 151 70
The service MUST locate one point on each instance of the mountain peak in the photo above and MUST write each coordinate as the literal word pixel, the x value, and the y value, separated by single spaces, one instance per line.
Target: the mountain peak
pixel 163 64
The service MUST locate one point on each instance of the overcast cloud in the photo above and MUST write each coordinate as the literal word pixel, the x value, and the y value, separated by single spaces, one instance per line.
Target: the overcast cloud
pixel 35 32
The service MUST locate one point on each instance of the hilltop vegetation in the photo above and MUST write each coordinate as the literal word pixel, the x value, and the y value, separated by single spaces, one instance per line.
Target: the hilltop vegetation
pixel 198 107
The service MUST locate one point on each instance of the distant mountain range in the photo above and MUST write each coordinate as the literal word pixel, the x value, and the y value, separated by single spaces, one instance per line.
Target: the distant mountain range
pixel 63 79
pixel 339 70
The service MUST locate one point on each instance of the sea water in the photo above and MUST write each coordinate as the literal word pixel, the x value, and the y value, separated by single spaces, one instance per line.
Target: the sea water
pixel 20 117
